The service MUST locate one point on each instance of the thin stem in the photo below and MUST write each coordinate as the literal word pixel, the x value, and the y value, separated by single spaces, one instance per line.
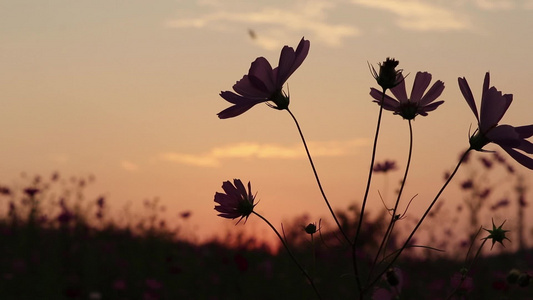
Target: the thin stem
pixel 354 258
pixel 393 220
pixel 290 254
pixel 316 176
pixel 423 217
pixel 463 276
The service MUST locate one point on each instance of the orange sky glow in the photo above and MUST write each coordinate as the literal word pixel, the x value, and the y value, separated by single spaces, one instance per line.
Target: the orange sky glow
pixel 129 91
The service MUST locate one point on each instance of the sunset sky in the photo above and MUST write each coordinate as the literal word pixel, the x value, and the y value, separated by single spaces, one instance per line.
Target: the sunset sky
pixel 129 91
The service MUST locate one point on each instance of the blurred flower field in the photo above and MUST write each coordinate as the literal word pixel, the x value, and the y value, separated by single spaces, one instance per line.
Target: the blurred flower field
pixel 58 244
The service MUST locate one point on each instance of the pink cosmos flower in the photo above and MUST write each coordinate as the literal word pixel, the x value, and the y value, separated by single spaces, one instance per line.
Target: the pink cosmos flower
pixel 263 83
pixel 418 103
pixel 236 201
pixel 494 104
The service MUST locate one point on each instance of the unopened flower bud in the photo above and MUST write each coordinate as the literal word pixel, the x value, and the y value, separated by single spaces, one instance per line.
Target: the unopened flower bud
pixel 513 275
pixel 310 229
pixel 524 279
pixel 392 277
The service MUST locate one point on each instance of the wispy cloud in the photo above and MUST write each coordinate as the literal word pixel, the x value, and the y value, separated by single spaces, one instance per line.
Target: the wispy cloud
pixel 495 4
pixel 215 156
pixel 129 166
pixel 278 23
pixel 419 15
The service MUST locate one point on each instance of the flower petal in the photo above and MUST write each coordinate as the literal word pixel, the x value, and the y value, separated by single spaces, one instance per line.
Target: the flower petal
pixel 493 107
pixel 399 92
pixel 389 103
pixel 248 89
pixel 241 105
pixel 504 135
pixel 434 92
pixel 261 71
pixel 467 94
pixel 525 131
pixel 422 80
pixel 423 110
pixel 290 60
pixel 519 157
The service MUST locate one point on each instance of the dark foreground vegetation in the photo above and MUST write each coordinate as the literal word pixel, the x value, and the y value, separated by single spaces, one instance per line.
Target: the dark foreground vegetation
pixel 71 249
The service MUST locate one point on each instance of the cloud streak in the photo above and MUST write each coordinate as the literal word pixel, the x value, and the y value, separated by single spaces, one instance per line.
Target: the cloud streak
pixel 216 156
pixel 310 16
pixel 418 15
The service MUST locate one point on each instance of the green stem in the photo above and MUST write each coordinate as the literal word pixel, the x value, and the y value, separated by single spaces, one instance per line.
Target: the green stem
pixel 423 217
pixel 354 258
pixel 393 220
pixel 317 178
pixel 290 254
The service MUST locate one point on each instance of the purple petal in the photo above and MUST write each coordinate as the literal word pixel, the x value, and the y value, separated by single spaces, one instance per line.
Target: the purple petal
pixel 231 191
pixel 290 60
pixel 525 131
pixel 246 88
pixel 423 110
pixel 263 79
pixel 240 188
pixel 242 104
pixel 467 94
pixel 486 83
pixel 504 135
pixel 493 107
pixel 526 146
pixel 388 103
pixel 420 85
pixel 434 92
pixel 519 157
pixel 399 92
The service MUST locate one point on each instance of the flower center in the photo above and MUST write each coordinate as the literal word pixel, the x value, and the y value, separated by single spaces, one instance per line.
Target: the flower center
pixel 409 110
pixel 280 99
pixel 478 141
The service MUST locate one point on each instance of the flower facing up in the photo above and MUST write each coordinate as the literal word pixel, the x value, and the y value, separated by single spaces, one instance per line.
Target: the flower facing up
pixel 263 83
pixel 494 104
pixel 236 201
pixel 418 103
pixel 388 77
pixel 497 234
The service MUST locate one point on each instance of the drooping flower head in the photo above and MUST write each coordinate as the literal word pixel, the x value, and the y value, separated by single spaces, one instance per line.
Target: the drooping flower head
pixel 388 77
pixel 263 83
pixel 418 104
pixel 494 104
pixel 236 201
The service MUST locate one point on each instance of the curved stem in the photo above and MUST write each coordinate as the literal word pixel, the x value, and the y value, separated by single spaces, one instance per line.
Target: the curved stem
pixel 423 217
pixel 463 276
pixel 317 178
pixel 354 258
pixel 393 218
pixel 290 254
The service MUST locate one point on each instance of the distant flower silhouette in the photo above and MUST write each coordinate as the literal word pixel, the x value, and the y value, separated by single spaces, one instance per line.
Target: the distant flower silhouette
pixel 263 83
pixel 31 192
pixel 387 77
pixel 386 166
pixel 236 201
pixel 494 104
pixel 418 103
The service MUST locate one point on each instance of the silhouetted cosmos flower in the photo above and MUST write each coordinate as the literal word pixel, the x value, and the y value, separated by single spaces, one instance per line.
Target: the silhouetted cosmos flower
pixel 236 201
pixel 418 104
pixel 494 104
pixel 263 83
